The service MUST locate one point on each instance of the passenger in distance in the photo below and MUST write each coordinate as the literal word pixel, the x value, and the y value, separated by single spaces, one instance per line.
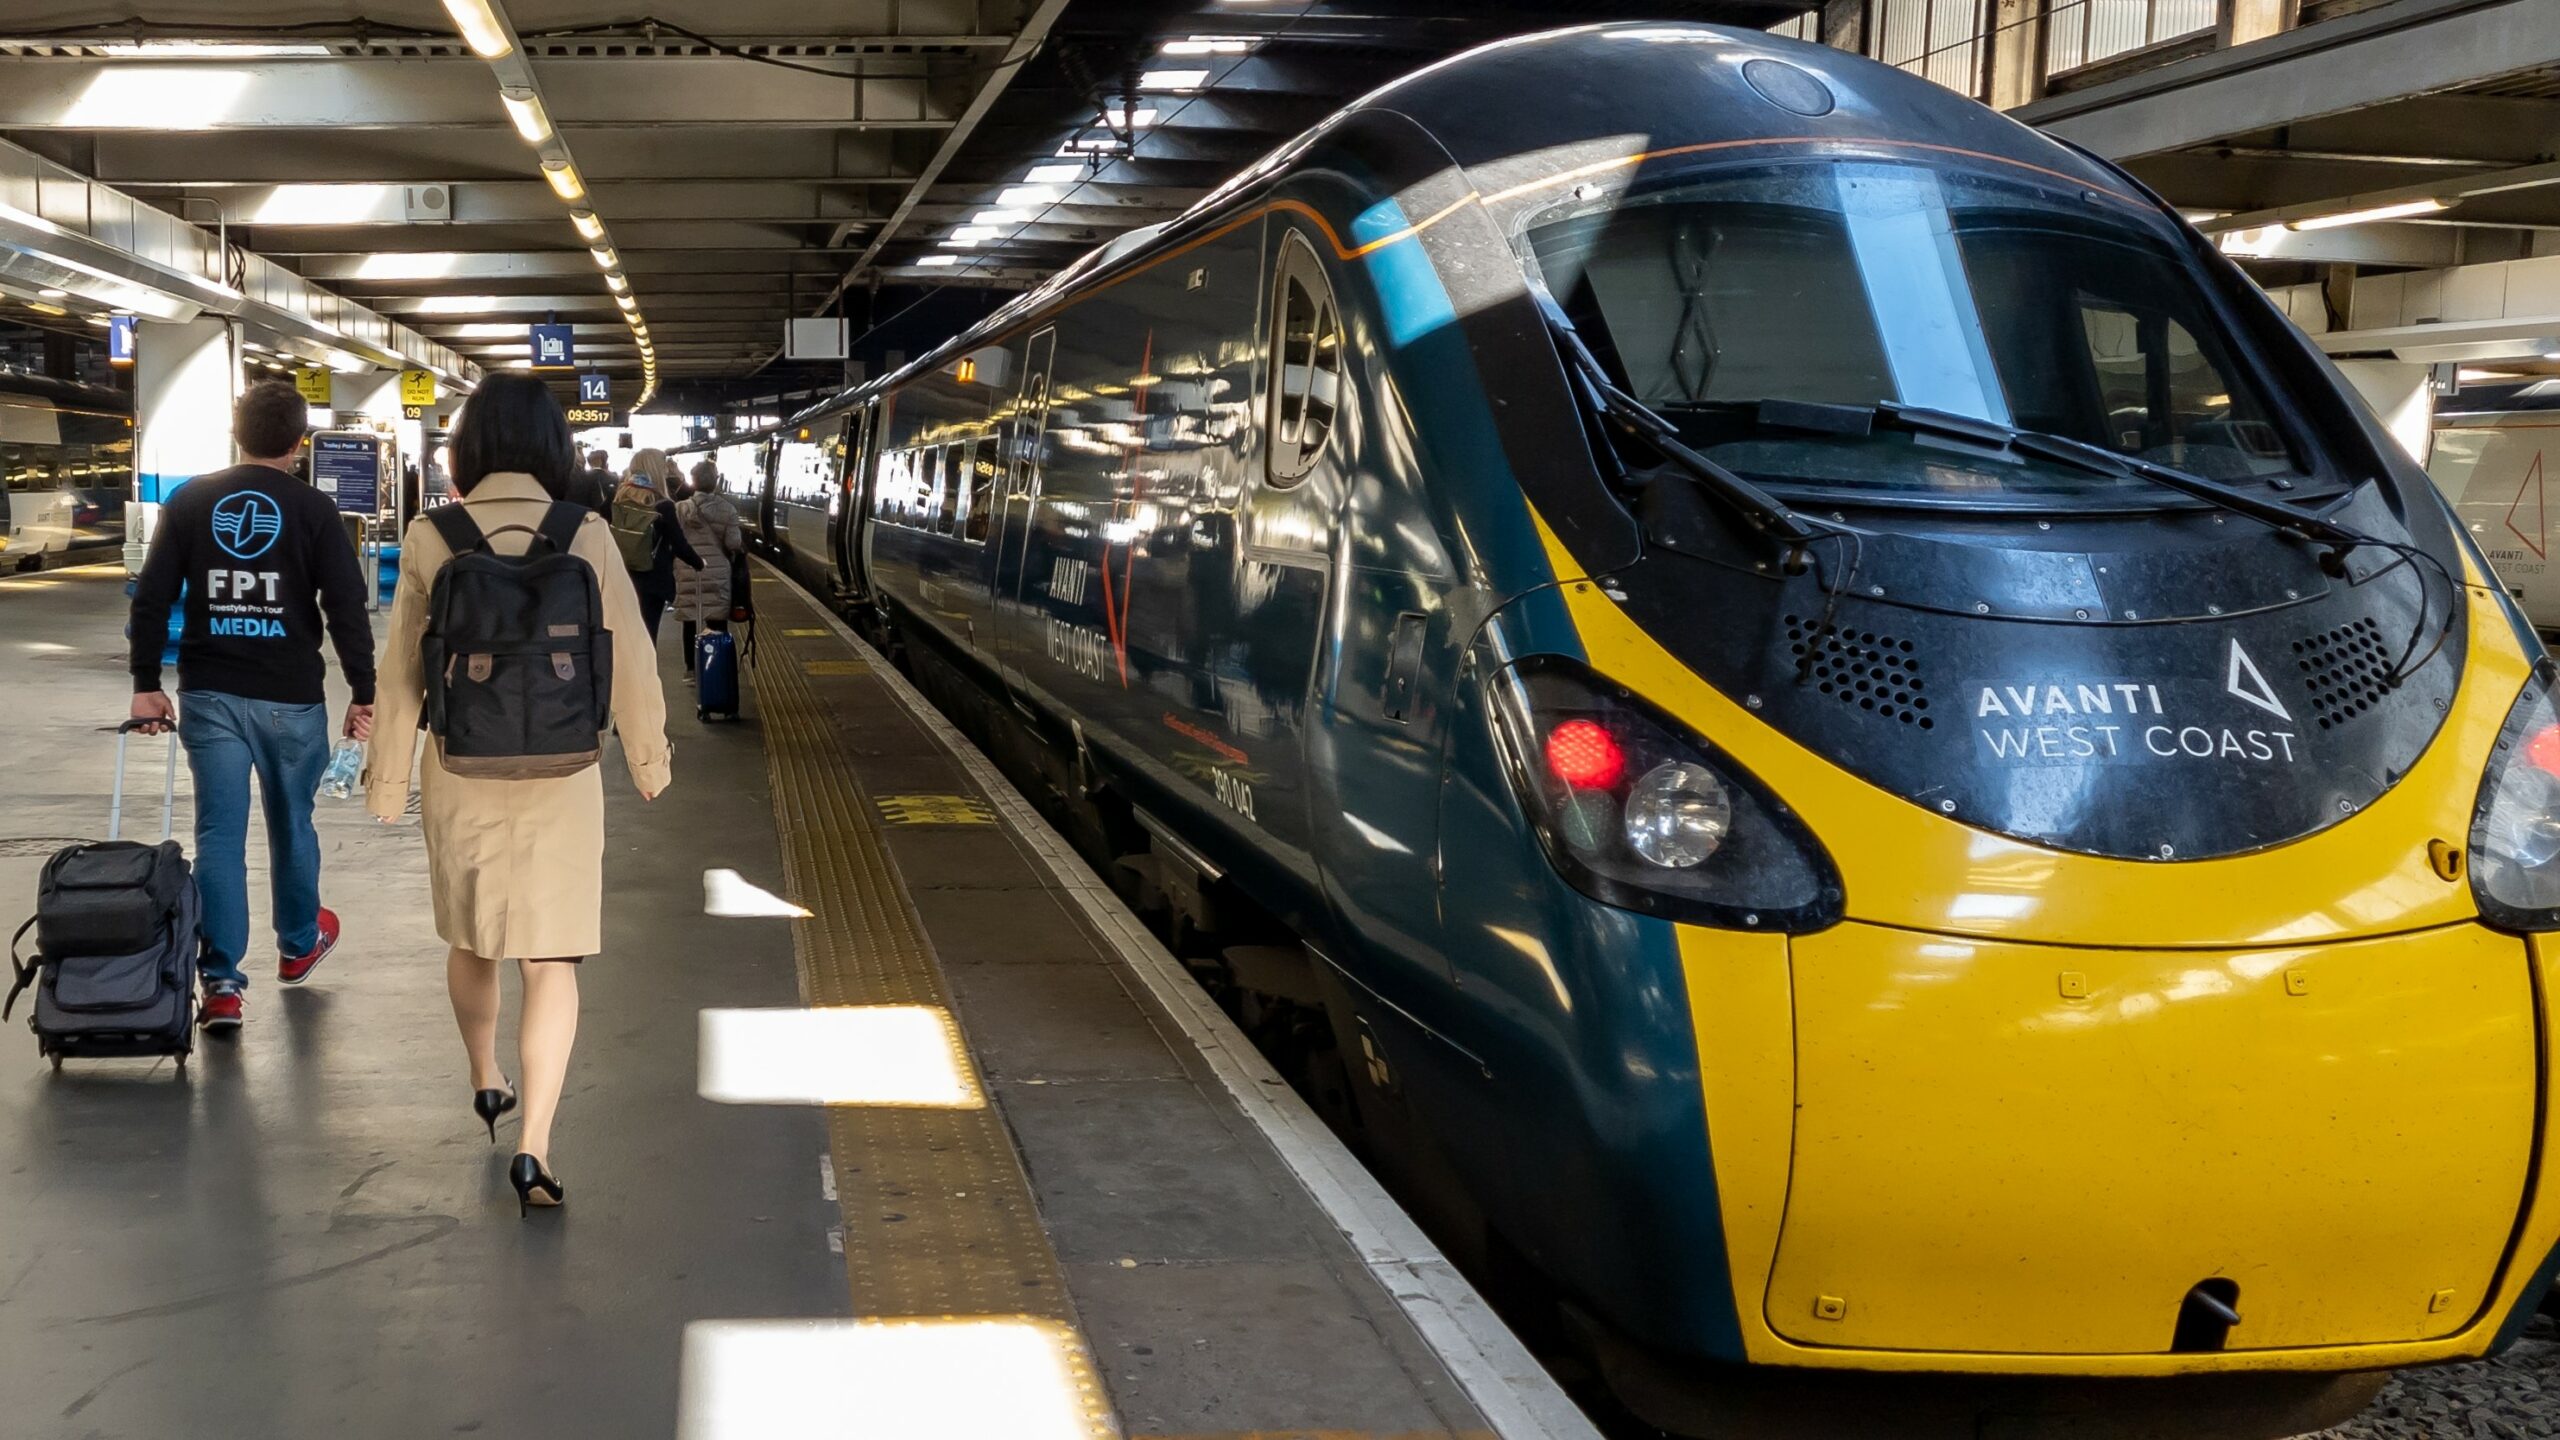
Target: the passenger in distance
pixel 712 528
pixel 651 539
pixel 263 557
pixel 516 862
pixel 593 486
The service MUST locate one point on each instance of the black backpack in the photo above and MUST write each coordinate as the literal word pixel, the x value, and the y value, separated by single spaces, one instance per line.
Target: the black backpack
pixel 519 665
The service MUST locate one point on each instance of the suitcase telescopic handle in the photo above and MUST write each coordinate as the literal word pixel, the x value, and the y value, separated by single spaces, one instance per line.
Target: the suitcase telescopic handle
pixel 168 788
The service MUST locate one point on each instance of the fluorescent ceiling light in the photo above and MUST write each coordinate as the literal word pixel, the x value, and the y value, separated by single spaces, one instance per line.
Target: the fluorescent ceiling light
pixel 1018 195
pixel 479 27
pixel 417 265
pixel 2363 217
pixel 590 229
pixel 326 204
pixel 1209 45
pixel 1067 172
pixel 564 179
pixel 605 258
pixel 626 302
pixel 208 49
pixel 42 308
pixel 524 108
pixel 519 362
pixel 463 304
pixel 1173 79
pixel 614 282
pixel 51 293
pixel 489 330
pixel 937 260
pixel 157 97
pixel 999 217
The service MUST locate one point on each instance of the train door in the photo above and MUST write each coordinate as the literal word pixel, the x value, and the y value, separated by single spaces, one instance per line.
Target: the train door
pixel 845 527
pixel 1018 513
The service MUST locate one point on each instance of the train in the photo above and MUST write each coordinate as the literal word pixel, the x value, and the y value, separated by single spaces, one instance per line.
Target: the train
pixel 66 458
pixel 1847 761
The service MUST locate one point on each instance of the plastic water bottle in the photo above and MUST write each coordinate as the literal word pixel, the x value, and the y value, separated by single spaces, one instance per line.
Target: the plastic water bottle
pixel 346 762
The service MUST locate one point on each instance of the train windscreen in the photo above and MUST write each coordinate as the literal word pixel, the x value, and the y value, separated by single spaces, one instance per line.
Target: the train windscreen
pixel 1863 283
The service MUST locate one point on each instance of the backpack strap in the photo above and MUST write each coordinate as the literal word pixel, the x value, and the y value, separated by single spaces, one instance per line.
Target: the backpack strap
pixel 461 533
pixel 560 524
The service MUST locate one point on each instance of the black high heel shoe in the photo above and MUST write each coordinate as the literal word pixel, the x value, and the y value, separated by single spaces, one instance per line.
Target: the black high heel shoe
pixel 528 1176
pixel 490 1104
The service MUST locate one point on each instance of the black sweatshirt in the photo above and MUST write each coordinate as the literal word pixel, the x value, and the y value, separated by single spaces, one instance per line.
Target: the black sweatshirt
pixel 260 553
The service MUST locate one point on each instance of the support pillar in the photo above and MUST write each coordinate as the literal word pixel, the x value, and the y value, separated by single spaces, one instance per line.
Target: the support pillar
pixel 185 376
pixel 2017 52
pixel 2398 393
pixel 2247 20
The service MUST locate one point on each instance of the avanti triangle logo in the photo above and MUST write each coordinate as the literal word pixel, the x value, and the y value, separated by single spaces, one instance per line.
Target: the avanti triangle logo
pixel 2532 484
pixel 2248 686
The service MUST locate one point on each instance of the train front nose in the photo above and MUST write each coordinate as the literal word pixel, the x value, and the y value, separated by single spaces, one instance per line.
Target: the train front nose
pixel 2012 1148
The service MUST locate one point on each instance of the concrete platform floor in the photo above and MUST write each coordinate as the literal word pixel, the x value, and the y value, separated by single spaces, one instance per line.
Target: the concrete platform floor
pixel 305 1233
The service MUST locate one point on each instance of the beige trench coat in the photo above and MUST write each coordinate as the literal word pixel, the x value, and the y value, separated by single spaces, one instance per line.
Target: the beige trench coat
pixel 711 527
pixel 516 866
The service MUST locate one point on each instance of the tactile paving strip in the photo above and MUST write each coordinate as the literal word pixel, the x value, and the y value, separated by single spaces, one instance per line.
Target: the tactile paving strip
pixel 938 1216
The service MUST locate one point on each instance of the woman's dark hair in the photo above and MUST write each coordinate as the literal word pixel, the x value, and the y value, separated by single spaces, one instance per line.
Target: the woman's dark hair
pixel 511 423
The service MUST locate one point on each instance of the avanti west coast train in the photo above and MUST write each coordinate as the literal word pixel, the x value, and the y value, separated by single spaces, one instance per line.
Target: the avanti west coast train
pixel 1872 765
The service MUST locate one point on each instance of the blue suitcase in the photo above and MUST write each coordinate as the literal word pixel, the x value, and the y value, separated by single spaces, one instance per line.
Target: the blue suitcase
pixel 715 672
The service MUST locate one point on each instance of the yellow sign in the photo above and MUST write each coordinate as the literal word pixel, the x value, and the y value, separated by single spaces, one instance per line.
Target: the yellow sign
pixel 417 387
pixel 314 385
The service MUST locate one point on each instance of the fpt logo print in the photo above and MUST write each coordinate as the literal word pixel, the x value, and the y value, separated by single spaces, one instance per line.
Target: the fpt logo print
pixel 246 525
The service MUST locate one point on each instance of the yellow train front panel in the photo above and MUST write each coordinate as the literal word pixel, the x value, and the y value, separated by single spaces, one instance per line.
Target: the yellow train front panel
pixel 2018 1148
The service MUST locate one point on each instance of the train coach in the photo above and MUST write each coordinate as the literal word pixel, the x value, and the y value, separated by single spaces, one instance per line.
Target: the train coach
pixel 1850 754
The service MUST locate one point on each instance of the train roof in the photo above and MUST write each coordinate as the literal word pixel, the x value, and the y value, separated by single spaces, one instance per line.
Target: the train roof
pixel 1606 97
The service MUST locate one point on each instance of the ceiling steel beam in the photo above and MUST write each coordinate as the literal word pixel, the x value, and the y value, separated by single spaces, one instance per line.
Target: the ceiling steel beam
pixel 496 202
pixel 438 157
pixel 358 94
pixel 1026 43
pixel 2404 48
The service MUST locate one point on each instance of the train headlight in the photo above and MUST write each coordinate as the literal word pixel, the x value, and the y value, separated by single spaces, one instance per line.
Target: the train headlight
pixel 1678 815
pixel 1637 811
pixel 2515 825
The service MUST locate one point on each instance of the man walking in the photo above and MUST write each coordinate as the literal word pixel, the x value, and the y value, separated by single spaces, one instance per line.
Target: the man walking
pixel 261 556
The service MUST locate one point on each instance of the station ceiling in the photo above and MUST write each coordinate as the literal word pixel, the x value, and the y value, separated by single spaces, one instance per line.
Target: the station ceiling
pixel 752 160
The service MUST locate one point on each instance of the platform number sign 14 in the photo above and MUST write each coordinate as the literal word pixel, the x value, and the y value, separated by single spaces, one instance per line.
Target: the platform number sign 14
pixel 595 390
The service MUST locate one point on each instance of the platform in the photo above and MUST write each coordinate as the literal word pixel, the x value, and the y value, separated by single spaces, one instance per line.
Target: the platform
pixel 1098 1214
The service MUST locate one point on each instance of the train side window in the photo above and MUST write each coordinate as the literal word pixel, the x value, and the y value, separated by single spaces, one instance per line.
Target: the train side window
pixel 946 505
pixel 1306 363
pixel 982 489
pixel 928 490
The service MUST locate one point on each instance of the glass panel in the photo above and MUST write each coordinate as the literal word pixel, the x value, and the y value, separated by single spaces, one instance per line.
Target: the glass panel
pixel 1861 284
pixel 982 489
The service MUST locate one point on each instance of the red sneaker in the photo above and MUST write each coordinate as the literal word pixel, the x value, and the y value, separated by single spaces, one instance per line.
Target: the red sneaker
pixel 294 969
pixel 221 1011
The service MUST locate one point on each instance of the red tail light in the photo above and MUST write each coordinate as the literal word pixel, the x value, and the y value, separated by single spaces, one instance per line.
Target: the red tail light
pixel 1584 754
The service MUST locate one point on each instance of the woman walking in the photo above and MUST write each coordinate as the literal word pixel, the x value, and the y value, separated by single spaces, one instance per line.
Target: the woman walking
pixel 650 537
pixel 711 527
pixel 516 865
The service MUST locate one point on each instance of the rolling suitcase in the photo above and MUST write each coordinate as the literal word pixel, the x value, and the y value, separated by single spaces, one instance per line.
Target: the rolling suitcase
pixel 716 675
pixel 115 965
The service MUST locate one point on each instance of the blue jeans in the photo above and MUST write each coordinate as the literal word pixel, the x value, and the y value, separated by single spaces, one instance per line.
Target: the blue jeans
pixel 287 748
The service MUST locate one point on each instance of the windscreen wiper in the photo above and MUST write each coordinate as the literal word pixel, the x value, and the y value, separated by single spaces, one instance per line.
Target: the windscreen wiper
pixel 1765 512
pixel 2062 450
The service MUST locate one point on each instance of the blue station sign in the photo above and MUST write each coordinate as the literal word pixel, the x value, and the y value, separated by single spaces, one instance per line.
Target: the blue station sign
pixel 554 348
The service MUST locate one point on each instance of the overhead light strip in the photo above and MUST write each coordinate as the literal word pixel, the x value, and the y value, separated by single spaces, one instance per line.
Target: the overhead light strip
pixel 484 26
